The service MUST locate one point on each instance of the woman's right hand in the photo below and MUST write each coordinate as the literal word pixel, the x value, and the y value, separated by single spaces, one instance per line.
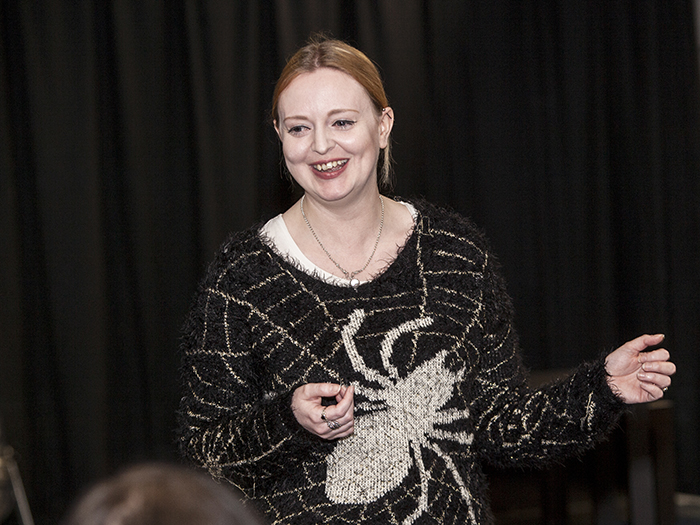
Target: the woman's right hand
pixel 308 409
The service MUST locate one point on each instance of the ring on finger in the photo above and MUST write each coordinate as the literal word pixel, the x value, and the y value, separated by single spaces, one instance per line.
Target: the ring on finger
pixel 332 424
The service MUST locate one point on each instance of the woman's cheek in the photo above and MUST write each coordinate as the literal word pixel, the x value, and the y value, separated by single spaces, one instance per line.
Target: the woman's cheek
pixel 296 150
pixel 293 150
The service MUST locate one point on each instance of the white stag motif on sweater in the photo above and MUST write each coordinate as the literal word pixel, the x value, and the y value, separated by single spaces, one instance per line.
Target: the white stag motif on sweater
pixel 401 418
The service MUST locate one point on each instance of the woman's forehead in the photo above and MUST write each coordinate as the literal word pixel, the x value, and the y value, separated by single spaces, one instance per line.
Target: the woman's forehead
pixel 321 91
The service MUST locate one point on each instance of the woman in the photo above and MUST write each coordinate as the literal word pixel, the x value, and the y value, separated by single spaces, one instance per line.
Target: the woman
pixel 354 360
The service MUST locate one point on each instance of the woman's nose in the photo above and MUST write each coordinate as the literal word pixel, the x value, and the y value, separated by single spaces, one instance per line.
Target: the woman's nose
pixel 322 141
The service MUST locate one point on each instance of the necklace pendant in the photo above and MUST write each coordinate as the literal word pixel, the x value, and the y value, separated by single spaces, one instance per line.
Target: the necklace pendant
pixel 354 282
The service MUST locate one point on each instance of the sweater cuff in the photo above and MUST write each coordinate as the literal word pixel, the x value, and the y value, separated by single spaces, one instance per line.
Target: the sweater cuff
pixel 286 414
pixel 599 408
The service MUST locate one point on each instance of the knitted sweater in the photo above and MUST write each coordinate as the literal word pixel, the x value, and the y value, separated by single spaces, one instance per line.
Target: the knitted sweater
pixel 439 385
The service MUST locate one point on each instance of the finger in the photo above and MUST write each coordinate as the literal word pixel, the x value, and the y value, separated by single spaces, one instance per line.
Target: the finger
pixel 328 416
pixel 643 342
pixel 660 380
pixel 343 431
pixel 655 392
pixel 347 400
pixel 340 415
pixel 342 435
pixel 332 428
pixel 660 354
pixel 346 432
pixel 336 414
pixel 343 407
pixel 341 394
pixel 324 389
pixel 328 427
pixel 661 367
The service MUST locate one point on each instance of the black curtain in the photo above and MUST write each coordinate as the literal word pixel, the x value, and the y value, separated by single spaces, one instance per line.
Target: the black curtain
pixel 135 135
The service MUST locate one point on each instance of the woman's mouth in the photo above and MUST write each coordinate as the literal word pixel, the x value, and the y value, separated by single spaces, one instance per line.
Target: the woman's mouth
pixel 330 167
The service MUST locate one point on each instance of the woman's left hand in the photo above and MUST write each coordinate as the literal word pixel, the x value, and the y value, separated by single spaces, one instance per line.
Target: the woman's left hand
pixel 638 376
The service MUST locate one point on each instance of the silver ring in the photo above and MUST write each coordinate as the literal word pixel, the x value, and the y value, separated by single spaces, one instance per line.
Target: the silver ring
pixel 333 425
pixel 664 389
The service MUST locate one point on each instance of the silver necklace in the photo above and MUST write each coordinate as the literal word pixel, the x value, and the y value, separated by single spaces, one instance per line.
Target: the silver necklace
pixel 350 276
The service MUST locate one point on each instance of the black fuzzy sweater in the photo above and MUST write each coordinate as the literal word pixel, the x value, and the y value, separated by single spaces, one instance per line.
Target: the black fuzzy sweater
pixel 440 388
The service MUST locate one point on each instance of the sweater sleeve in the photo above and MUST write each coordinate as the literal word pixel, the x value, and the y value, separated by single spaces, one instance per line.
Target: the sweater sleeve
pixel 230 423
pixel 518 426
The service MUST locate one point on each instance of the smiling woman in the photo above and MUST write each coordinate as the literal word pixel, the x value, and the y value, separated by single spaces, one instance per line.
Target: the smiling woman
pixel 354 360
pixel 339 56
pixel 332 137
pixel 328 128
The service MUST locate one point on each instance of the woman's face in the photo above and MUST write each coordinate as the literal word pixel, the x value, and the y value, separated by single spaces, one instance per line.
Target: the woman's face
pixel 331 134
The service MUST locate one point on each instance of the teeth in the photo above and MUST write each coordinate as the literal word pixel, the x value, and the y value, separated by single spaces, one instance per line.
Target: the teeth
pixel 329 165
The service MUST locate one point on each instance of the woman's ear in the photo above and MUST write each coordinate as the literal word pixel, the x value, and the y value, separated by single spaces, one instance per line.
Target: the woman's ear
pixel 386 123
pixel 277 129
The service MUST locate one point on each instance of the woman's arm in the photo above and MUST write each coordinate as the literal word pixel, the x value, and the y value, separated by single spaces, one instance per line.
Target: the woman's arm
pixel 231 422
pixel 518 426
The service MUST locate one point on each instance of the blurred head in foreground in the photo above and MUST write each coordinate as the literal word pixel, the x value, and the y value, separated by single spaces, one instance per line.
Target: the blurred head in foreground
pixel 158 494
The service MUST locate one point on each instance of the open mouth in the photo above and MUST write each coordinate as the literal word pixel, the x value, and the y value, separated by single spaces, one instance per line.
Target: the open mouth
pixel 330 167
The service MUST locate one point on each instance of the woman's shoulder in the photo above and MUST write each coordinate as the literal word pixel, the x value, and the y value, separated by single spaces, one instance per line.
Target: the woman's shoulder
pixel 240 251
pixel 455 246
pixel 239 242
pixel 442 223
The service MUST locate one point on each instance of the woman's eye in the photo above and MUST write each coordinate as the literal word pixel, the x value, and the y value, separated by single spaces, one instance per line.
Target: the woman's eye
pixel 296 130
pixel 343 123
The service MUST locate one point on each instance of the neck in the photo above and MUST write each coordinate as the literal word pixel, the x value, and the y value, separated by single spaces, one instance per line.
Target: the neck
pixel 348 272
pixel 348 222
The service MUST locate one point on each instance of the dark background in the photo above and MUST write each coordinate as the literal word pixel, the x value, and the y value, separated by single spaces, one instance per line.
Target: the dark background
pixel 134 136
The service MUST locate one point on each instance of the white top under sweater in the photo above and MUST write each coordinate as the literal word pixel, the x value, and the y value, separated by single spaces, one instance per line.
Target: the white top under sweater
pixel 276 231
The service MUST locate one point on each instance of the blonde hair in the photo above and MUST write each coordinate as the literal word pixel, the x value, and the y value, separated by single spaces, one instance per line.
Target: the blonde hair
pixel 325 52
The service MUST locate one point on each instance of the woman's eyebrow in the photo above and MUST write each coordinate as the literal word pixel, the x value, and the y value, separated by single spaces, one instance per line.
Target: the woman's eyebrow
pixel 335 111
pixel 330 113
